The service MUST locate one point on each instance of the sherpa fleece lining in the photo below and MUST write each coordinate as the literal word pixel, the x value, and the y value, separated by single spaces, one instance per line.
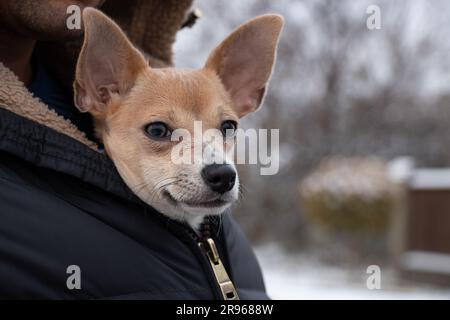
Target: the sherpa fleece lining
pixel 15 97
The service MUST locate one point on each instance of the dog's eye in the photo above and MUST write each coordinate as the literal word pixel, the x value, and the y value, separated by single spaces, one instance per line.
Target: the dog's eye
pixel 228 128
pixel 157 130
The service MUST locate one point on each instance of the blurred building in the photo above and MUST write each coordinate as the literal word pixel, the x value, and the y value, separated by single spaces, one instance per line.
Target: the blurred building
pixel 421 230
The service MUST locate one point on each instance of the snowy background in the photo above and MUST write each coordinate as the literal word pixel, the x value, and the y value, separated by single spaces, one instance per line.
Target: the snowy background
pixel 302 276
pixel 338 90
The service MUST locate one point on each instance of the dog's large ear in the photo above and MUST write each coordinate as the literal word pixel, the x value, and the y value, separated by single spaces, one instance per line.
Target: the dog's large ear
pixel 108 63
pixel 244 61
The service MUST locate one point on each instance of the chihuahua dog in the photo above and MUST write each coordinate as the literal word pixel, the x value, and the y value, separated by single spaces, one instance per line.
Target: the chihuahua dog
pixel 137 108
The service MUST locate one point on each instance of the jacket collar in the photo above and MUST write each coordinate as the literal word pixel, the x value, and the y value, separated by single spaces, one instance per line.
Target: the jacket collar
pixel 17 99
pixel 31 131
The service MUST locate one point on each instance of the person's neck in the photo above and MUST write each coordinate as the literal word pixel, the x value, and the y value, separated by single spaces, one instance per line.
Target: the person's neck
pixel 15 53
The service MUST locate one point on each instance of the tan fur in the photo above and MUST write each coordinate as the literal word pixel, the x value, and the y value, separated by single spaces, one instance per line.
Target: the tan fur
pixel 124 96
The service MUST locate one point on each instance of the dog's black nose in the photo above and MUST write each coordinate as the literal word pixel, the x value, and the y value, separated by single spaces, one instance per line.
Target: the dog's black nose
pixel 219 177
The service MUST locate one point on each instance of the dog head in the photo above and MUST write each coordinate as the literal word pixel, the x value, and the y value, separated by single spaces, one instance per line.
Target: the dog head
pixel 138 110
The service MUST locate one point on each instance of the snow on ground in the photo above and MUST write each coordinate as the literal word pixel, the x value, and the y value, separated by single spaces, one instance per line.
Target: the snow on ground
pixel 290 276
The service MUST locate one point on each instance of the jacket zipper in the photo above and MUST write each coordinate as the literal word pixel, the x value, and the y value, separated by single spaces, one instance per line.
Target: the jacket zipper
pixel 209 250
pixel 224 282
pixel 205 249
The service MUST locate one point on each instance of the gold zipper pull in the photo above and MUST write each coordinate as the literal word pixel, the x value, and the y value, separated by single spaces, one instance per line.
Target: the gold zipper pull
pixel 223 280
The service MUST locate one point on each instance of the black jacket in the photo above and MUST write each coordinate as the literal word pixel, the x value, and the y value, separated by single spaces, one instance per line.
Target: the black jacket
pixel 62 204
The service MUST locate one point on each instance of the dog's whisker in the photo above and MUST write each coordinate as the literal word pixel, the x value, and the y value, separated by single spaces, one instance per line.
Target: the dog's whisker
pixel 157 189
pixel 145 183
pixel 142 186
